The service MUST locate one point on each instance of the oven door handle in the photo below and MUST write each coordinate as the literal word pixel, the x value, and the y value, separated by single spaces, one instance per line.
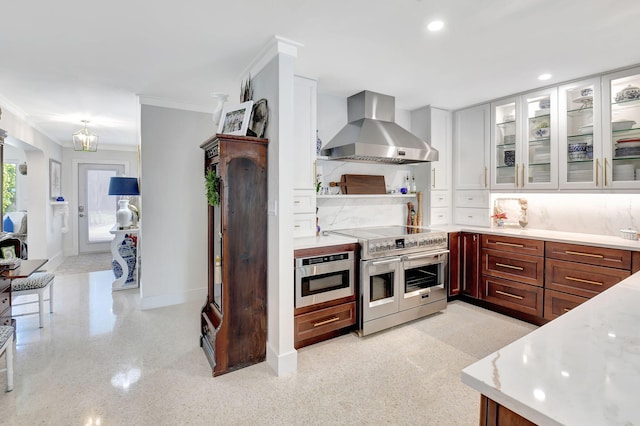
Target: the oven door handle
pixel 386 261
pixel 425 255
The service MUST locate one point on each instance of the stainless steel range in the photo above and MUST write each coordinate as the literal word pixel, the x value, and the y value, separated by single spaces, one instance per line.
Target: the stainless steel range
pixel 403 274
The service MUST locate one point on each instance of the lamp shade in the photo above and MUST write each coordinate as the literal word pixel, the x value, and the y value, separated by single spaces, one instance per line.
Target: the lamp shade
pixel 119 185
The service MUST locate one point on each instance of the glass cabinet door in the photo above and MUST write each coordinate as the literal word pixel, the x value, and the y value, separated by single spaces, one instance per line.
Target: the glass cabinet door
pixel 505 139
pixel 621 129
pixel 538 166
pixel 580 152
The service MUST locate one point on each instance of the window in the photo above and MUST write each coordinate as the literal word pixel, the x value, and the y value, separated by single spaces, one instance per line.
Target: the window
pixel 9 188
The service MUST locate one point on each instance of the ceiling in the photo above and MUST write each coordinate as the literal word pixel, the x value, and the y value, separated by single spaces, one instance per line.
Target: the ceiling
pixel 71 60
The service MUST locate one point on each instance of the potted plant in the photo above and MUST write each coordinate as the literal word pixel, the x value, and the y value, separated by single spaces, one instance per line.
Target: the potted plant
pixel 212 186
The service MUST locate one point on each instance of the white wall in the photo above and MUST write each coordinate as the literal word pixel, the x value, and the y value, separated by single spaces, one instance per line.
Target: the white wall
pixel 275 82
pixel 173 234
pixel 44 237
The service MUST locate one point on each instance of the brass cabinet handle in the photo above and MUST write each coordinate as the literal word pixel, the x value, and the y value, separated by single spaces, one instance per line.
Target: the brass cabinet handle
pixel 605 171
pixel 597 168
pixel 328 321
pixel 504 293
pixel 504 265
pixel 579 253
pixel 580 280
pixel 566 309
pixel 296 201
pixel 433 184
pixel 522 176
pixel 517 175
pixel 500 243
pixel 485 176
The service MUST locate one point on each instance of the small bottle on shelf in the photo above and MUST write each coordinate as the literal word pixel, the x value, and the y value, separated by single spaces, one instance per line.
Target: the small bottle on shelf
pixel 413 185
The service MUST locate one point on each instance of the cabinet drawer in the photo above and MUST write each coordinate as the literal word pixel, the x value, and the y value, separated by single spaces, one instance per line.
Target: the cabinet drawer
pixel 304 225
pixel 472 199
pixel 440 198
pixel 521 297
pixel 513 244
pixel 557 303
pixel 472 217
pixel 612 258
pixel 440 216
pixel 580 279
pixel 512 266
pixel 323 321
pixel 304 201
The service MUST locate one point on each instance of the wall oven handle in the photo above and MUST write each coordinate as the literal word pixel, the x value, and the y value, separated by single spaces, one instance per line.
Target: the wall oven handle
pixel 383 262
pixel 425 255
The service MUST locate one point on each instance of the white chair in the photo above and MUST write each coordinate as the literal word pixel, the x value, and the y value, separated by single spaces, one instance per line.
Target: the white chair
pixel 36 283
pixel 6 347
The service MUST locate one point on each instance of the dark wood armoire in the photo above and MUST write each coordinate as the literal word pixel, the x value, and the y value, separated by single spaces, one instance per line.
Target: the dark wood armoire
pixel 234 317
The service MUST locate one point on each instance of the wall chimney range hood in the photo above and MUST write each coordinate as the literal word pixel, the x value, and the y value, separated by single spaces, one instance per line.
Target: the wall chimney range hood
pixel 372 136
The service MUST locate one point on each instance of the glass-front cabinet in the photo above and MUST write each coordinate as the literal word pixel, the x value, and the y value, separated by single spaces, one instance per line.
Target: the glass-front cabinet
pixel 505 139
pixel 525 142
pixel 580 142
pixel 621 129
pixel 538 163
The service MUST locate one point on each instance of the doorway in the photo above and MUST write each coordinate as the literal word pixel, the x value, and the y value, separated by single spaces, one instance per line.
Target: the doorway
pixel 96 209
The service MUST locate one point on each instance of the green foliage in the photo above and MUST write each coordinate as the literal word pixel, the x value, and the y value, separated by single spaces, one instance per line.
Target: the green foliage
pixel 9 188
pixel 212 185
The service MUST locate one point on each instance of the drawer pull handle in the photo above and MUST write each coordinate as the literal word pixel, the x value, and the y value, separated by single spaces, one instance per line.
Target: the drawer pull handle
pixel 328 321
pixel 504 293
pixel 578 253
pixel 580 280
pixel 500 243
pixel 504 265
pixel 296 226
pixel 566 309
pixel 296 202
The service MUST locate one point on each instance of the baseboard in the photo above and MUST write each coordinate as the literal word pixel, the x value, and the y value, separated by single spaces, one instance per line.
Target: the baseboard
pixel 282 364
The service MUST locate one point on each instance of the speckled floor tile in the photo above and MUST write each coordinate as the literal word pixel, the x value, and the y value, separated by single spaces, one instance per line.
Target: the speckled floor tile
pixel 101 361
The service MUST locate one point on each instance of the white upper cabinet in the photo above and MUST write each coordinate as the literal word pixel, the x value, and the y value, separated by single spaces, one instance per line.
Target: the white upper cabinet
pixel 580 153
pixel 525 142
pixel 471 129
pixel 621 129
pixel 434 126
pixel 305 104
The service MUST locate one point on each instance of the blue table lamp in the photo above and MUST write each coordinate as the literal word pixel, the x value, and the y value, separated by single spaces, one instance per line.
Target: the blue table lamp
pixel 127 215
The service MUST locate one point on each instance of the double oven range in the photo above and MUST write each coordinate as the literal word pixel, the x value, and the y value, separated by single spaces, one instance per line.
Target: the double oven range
pixel 403 275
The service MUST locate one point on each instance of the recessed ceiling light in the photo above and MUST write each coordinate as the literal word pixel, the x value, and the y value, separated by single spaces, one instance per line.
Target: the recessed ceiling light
pixel 545 76
pixel 435 26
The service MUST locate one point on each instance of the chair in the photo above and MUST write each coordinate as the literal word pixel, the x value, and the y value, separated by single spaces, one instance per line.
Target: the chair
pixel 36 283
pixel 6 347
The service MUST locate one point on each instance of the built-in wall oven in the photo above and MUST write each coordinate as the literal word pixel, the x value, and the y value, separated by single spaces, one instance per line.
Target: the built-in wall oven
pixel 324 278
pixel 403 275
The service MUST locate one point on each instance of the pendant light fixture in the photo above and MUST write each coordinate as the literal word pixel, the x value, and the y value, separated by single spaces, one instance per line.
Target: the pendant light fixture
pixel 84 140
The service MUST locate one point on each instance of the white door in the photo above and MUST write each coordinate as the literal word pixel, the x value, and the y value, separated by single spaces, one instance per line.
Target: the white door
pixel 96 208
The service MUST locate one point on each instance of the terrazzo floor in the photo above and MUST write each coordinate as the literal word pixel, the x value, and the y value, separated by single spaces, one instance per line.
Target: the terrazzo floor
pixel 101 361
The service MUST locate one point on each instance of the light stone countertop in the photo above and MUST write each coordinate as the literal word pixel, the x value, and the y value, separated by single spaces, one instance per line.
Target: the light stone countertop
pixel 608 241
pixel 321 241
pixel 581 368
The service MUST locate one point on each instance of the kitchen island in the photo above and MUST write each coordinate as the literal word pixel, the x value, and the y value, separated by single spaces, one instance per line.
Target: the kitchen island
pixel 582 368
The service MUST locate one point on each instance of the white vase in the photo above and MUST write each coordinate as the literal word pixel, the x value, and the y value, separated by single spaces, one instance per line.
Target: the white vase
pixel 123 215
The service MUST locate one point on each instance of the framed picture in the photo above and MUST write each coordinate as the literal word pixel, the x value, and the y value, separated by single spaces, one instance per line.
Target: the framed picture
pixel 235 118
pixel 55 178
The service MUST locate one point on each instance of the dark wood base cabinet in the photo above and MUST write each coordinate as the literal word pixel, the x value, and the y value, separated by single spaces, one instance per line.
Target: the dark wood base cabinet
pixel 494 414
pixel 234 317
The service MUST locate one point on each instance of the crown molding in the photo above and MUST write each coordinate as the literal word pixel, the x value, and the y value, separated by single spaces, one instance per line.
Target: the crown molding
pixel 277 45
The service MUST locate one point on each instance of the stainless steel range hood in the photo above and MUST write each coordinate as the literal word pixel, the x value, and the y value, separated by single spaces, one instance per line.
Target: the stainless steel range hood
pixel 372 136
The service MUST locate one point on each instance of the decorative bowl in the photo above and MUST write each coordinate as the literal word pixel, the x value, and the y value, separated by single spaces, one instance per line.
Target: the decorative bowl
pixel 628 93
pixel 586 92
pixel 577 151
